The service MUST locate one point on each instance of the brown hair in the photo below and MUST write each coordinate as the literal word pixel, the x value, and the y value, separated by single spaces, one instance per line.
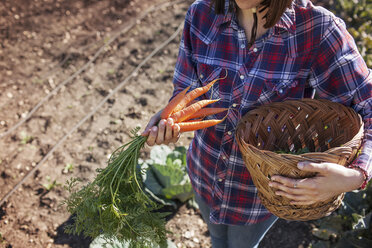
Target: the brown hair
pixel 276 9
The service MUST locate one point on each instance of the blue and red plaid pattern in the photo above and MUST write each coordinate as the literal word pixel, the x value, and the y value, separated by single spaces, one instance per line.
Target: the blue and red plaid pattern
pixel 309 46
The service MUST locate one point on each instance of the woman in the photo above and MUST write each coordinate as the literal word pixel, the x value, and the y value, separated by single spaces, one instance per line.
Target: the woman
pixel 273 51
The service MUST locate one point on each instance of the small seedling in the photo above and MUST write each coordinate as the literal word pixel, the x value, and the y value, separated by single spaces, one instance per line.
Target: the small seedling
pixel 115 122
pixel 106 40
pixel 85 94
pixel 50 185
pixel 25 139
pixel 68 168
pixel 37 81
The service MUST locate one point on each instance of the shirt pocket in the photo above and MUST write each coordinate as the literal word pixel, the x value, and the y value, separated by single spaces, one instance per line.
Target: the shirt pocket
pixel 276 90
pixel 206 74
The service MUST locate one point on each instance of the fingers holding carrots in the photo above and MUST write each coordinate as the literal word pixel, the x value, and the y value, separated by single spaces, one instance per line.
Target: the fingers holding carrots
pixel 171 131
pixel 153 122
pixel 181 115
pixel 166 132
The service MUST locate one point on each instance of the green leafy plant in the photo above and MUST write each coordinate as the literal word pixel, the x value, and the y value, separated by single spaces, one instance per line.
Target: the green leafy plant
pixel 114 205
pixel 350 225
pixel 166 175
pixel 358 18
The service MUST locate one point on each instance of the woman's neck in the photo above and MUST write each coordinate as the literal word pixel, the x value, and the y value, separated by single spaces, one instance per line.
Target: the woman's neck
pixel 246 21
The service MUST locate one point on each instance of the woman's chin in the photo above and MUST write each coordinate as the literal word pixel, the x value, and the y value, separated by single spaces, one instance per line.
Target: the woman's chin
pixel 245 5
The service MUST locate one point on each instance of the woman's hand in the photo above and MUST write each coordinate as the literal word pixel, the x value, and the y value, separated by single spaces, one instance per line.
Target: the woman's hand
pixel 331 180
pixel 166 132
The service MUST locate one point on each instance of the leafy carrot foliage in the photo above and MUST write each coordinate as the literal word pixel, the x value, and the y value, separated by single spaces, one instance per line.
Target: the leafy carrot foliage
pixel 114 205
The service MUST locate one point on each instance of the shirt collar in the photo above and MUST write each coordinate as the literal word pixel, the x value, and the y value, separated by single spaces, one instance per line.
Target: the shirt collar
pixel 287 22
pixel 226 17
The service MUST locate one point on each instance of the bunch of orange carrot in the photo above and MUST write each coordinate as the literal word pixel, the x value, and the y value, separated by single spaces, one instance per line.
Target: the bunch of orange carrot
pixel 114 204
pixel 188 114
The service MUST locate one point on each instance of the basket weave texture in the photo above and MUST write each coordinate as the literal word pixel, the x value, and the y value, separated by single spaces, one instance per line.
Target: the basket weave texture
pixel 269 135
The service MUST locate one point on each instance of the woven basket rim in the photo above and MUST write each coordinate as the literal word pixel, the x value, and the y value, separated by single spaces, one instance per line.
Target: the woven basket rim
pixel 357 115
pixel 287 211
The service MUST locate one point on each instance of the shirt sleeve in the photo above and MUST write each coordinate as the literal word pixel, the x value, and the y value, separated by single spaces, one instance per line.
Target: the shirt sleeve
pixel 185 69
pixel 340 74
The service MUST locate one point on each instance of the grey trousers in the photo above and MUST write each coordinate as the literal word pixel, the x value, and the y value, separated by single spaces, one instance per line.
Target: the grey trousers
pixel 229 236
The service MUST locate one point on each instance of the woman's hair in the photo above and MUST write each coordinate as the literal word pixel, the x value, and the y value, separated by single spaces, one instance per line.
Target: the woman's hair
pixel 276 9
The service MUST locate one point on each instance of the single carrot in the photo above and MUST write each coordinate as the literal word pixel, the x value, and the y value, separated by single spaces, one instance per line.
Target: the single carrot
pixel 169 109
pixel 196 125
pixel 205 112
pixel 195 93
pixel 192 102
pixel 193 120
pixel 190 110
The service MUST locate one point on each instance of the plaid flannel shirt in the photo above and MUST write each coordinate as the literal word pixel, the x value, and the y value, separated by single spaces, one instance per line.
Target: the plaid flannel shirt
pixel 308 46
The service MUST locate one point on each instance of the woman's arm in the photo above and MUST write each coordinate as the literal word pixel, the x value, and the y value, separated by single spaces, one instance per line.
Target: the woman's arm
pixel 339 74
pixel 165 131
pixel 331 180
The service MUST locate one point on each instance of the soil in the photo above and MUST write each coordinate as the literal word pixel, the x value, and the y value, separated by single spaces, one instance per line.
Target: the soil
pixel 43 45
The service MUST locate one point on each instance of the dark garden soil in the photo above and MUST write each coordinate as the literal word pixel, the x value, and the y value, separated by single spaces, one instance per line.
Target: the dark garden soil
pixel 43 45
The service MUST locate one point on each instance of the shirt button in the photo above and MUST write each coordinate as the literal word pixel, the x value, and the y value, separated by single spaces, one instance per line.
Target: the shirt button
pixel 220 179
pixel 255 49
pixel 229 133
pixel 223 157
pixel 201 75
pixel 241 77
pixel 234 105
pixel 242 46
pixel 280 91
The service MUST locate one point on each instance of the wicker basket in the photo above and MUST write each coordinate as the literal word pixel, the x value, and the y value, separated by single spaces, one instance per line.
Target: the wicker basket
pixel 330 131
